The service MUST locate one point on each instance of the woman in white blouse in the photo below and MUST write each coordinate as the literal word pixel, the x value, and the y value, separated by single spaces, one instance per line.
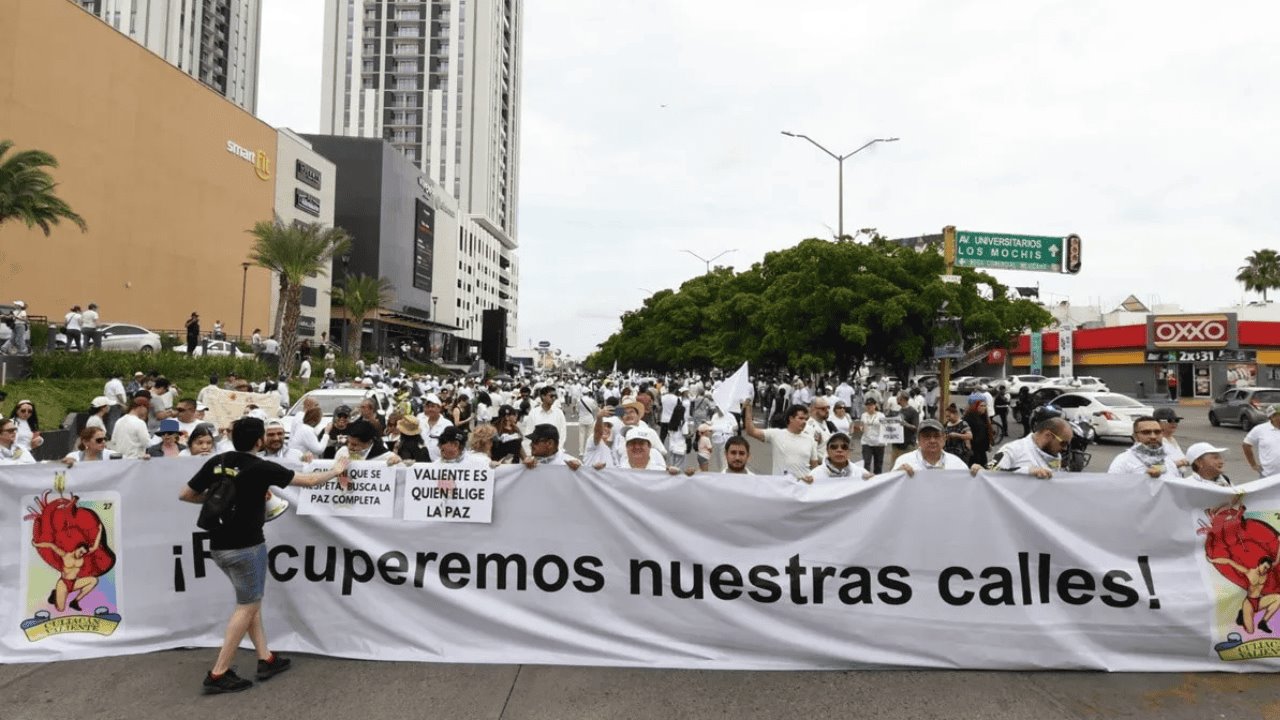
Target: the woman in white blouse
pixel 28 426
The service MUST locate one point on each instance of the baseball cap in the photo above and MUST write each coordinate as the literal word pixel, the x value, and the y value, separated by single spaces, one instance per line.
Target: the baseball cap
pixel 169 425
pixel 1200 449
pixel 450 434
pixel 101 401
pixel 844 437
pixel 642 432
pixel 1273 409
pixel 1166 414
pixel 544 431
pixel 432 399
pixel 342 410
pixel 930 424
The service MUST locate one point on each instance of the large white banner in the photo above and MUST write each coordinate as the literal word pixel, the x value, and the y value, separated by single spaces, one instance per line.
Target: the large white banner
pixel 942 570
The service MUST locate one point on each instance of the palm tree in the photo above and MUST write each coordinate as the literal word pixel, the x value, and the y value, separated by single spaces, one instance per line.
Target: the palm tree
pixel 361 295
pixel 1262 273
pixel 293 252
pixel 27 191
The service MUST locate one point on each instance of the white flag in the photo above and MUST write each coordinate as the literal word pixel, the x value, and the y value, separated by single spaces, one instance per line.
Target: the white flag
pixel 732 392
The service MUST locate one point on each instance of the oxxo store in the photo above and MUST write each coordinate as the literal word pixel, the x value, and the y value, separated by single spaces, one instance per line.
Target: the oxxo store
pixel 1206 354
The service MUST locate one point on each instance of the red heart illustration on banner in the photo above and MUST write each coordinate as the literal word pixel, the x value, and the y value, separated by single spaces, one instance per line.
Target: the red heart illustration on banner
pixel 65 524
pixel 1246 541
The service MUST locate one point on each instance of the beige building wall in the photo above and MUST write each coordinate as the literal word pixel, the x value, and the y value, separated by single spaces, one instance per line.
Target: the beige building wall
pixel 150 158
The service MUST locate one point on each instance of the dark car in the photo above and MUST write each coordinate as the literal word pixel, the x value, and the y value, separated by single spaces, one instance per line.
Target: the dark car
pixel 1243 406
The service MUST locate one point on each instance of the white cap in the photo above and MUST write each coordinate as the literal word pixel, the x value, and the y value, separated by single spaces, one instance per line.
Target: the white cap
pixel 432 399
pixel 1200 449
pixel 101 401
pixel 643 432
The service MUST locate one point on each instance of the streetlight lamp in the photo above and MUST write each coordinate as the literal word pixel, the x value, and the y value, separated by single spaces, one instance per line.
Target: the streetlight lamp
pixel 705 260
pixel 840 160
pixel 244 284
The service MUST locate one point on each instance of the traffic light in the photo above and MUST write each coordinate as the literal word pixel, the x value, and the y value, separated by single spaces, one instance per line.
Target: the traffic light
pixel 1071 263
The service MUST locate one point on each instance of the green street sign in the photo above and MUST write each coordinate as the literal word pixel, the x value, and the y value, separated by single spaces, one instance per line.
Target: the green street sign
pixel 1009 252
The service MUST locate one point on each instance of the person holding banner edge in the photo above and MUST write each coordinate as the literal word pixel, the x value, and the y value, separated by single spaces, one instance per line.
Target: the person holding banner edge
pixel 239 548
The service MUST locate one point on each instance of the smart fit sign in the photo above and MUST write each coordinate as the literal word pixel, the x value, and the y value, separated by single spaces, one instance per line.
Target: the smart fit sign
pixel 258 159
pixel 1191 331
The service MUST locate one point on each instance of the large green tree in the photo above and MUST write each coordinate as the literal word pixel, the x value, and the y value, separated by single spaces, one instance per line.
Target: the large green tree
pixel 817 306
pixel 27 190
pixel 361 295
pixel 1262 273
pixel 293 252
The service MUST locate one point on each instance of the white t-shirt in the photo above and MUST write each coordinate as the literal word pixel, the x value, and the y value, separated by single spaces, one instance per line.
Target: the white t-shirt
pixel 822 472
pixel 73 321
pixel 304 370
pixel 304 439
pixel 1265 441
pixel 114 389
pixel 1022 455
pixel 872 424
pixel 842 423
pixel 89 319
pixel 130 437
pixel 431 433
pixel 917 462
pixel 793 453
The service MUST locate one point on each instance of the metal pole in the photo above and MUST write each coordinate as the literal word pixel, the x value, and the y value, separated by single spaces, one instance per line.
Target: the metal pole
pixel 949 254
pixel 841 203
pixel 244 283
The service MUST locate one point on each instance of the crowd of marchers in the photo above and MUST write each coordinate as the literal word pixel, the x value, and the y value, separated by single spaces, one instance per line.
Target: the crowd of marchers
pixel 818 429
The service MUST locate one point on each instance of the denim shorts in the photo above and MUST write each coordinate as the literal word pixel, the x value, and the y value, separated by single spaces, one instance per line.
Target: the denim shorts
pixel 247 570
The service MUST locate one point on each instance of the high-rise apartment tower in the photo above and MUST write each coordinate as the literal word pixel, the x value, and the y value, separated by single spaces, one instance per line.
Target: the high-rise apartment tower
pixel 439 80
pixel 214 41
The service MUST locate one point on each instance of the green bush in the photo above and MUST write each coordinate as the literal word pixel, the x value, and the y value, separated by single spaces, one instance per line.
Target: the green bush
pixel 102 365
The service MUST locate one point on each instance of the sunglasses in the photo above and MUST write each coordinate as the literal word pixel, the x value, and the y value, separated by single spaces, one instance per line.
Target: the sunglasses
pixel 838 446
pixel 98 440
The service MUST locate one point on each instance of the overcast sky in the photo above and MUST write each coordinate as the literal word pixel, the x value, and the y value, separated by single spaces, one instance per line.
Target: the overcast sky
pixel 651 127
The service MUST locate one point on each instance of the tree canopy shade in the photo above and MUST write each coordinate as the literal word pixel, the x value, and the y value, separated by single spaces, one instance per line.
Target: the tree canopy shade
pixel 817 306
pixel 27 190
pixel 361 295
pixel 1262 273
pixel 293 252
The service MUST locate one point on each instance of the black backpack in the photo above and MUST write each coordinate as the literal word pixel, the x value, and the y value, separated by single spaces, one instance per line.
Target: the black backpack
pixel 219 499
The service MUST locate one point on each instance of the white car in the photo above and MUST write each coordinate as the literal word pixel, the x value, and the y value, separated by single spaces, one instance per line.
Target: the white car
pixel 129 338
pixel 217 348
pixel 1080 383
pixel 1014 383
pixel 1111 414
pixel 330 399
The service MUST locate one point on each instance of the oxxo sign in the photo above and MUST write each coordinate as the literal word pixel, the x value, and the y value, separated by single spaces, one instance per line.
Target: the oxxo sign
pixel 258 159
pixel 1191 331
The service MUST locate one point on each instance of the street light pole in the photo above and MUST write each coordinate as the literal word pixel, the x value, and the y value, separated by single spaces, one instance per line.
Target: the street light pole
pixel 708 262
pixel 840 161
pixel 244 284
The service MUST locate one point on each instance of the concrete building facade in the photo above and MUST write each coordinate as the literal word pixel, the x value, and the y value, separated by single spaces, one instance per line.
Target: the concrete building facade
pixel 214 41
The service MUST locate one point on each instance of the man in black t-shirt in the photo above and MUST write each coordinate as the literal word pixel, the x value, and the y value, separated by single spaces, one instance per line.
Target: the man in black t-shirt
pixel 239 548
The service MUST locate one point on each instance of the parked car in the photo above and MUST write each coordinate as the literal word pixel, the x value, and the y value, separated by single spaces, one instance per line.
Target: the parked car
pixel 1111 414
pixel 217 348
pixel 966 383
pixel 129 338
pixel 1080 383
pixel 1243 406
pixel 1015 383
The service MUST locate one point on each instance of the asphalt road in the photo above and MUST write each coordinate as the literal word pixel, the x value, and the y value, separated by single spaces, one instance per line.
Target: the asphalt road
pixel 156 685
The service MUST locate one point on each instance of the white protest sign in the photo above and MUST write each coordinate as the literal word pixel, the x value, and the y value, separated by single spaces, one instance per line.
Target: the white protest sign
pixel 448 492
pixel 891 432
pixel 372 492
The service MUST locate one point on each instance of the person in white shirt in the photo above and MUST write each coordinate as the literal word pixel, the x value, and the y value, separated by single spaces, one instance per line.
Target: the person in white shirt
pixel 10 452
pixel 835 464
pixel 844 391
pixel 89 328
pixel 794 451
pixel 1169 420
pixel 73 328
pixel 817 425
pixel 1265 439
pixel 304 371
pixel 114 389
pixel 24 414
pixel 130 437
pixel 544 449
pixel 1206 463
pixel 930 455
pixel 98 411
pixel 1038 454
pixel 641 441
pixel 871 425
pixel 1148 454
pixel 363 443
pixel 432 423
pixel 91 446
pixel 273 445
pixel 304 437
pixel 545 412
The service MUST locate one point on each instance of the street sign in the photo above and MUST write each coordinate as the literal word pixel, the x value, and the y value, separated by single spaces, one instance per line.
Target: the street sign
pixel 950 279
pixel 1009 252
